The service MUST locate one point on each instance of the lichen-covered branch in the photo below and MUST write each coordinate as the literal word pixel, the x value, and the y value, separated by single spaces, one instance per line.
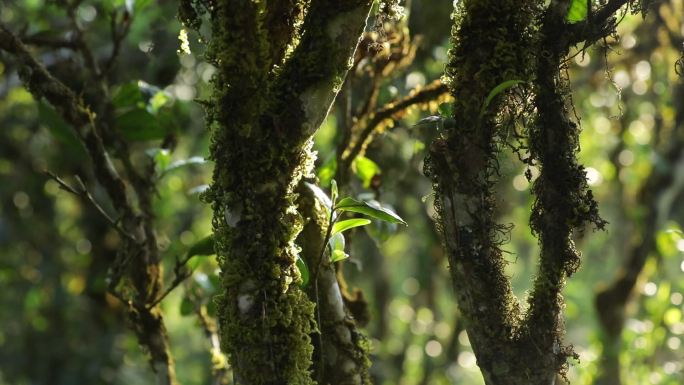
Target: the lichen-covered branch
pixel 494 42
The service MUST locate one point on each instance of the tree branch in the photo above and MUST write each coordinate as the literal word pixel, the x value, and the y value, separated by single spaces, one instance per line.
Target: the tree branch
pixel 391 110
pixel 85 195
pixel 42 84
pixel 599 25
pixel 138 256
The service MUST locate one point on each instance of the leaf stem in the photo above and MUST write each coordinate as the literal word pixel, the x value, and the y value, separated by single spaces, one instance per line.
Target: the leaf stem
pixel 326 239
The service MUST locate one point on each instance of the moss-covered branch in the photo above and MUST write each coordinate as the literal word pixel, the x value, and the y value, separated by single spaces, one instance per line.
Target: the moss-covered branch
pixel 494 42
pixel 563 202
pixel 490 44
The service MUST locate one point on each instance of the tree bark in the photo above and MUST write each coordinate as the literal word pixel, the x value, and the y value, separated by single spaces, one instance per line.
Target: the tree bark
pixel 494 42
pixel 276 80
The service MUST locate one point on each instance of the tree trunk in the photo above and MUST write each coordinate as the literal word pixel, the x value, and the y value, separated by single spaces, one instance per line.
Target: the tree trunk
pixel 280 67
pixel 497 45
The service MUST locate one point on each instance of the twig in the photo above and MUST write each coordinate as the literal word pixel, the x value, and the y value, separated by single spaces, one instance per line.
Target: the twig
pixel 85 195
pixel 117 37
pixel 80 42
pixel 181 273
pixel 39 39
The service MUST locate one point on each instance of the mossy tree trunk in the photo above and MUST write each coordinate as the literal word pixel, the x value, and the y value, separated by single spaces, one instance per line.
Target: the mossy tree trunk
pixel 494 44
pixel 280 66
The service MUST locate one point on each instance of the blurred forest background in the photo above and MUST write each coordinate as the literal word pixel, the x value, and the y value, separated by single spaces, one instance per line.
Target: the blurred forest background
pixel 59 326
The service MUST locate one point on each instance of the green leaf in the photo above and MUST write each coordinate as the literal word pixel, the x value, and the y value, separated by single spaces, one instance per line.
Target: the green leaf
pixel 203 281
pixel 203 247
pixel 497 90
pixel 577 11
pixel 212 308
pixel 446 109
pixel 338 255
pixel 327 171
pixel 128 95
pixel 138 125
pixel 184 162
pixel 365 169
pixel 199 189
pixel 380 231
pixel 347 224
pixel 194 263
pixel 333 191
pixel 303 272
pixel 158 101
pixel 371 209
pixel 320 195
pixel 675 233
pixel 140 5
pixel 336 242
pixel 161 157
pixel 186 307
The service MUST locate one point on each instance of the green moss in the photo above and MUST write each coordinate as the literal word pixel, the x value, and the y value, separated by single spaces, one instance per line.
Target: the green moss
pixel 265 319
pixel 261 146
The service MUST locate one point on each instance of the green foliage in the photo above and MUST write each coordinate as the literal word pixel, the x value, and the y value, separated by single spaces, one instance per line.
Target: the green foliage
pixel 337 244
pixel 334 238
pixel 54 248
pixel 577 11
pixel 347 224
pixel 365 169
pixel 143 112
pixel 501 87
pixel 194 160
pixel 326 172
pixel 186 307
pixel 303 272
pixel 59 128
pixel 204 247
pixel 372 209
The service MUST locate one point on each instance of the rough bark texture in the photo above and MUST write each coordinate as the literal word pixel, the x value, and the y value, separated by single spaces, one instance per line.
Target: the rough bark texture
pixel 462 164
pixel 272 91
pixel 494 42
